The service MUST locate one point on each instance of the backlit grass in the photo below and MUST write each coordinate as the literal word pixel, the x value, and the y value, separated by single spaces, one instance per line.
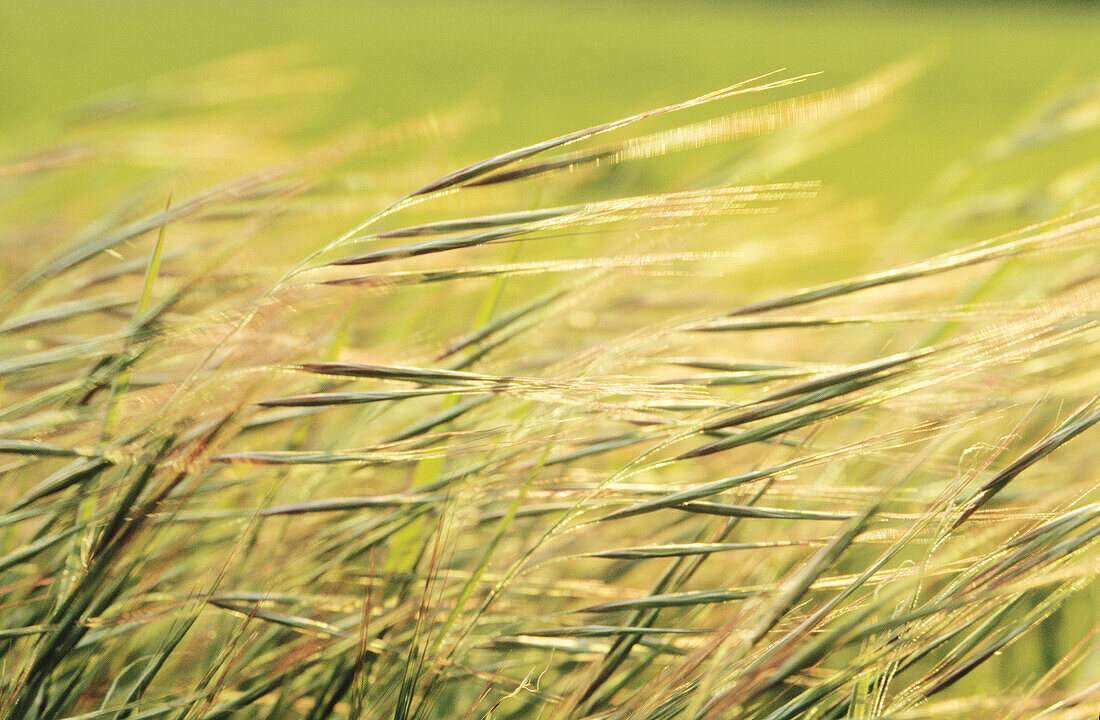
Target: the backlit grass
pixel 642 421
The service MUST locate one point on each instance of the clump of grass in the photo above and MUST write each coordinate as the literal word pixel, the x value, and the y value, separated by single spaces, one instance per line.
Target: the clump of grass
pixel 531 442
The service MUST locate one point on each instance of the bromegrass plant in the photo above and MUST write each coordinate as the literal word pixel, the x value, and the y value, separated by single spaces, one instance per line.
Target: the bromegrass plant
pixel 637 422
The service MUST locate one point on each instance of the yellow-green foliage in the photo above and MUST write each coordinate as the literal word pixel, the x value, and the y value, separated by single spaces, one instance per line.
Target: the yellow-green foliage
pixel 340 431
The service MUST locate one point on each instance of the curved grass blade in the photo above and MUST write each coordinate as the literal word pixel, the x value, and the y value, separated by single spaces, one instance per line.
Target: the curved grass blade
pixel 480 223
pixel 756 121
pixel 657 602
pixel 63 311
pixel 355 398
pixel 300 457
pixel 1050 234
pixel 479 169
pixel 429 247
pixel 783 426
pixel 706 490
pixel 344 504
pixel 492 327
pixel 97 244
pixel 29 550
pixel 300 624
pixel 75 473
pixel 1077 423
pixel 757 512
pixel 689 549
pixel 36 448
pixel 598 631
pixel 390 372
pixel 441 418
pixel 798 583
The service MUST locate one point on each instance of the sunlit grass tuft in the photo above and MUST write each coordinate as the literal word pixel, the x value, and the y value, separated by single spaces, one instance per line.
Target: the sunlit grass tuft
pixel 530 439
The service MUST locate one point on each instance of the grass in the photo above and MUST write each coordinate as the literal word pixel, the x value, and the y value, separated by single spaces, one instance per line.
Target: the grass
pixel 643 421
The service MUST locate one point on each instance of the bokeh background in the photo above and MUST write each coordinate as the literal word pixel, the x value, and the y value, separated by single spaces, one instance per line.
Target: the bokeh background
pixel 539 68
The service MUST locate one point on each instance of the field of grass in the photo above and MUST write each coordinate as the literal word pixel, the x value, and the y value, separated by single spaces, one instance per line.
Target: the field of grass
pixel 342 374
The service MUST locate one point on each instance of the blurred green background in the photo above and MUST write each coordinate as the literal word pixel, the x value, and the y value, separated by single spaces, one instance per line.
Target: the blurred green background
pixel 540 68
